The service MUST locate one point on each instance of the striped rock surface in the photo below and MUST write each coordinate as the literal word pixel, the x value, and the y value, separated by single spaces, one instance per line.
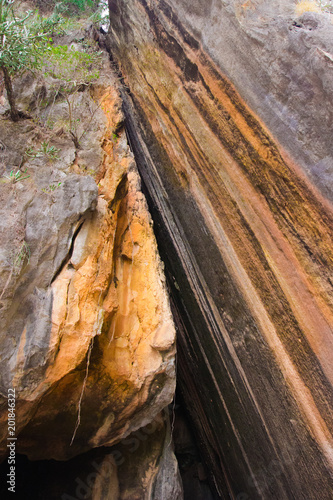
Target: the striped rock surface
pixel 229 112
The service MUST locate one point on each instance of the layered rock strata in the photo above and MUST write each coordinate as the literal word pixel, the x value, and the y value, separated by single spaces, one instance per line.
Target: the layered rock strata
pixel 229 108
pixel 87 337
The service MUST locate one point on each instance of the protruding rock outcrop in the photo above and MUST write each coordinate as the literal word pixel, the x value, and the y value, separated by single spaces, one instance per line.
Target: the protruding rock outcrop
pixel 230 114
pixel 87 337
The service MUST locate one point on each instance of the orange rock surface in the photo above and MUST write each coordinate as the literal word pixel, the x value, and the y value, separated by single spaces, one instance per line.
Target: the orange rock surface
pixel 111 349
pixel 249 224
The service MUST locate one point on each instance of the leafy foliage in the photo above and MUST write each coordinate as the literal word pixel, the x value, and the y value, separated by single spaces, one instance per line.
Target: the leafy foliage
pixel 80 4
pixel 24 39
pixel 45 150
pixel 73 70
pixel 51 188
pixel 16 176
pixel 25 44
pixel 73 67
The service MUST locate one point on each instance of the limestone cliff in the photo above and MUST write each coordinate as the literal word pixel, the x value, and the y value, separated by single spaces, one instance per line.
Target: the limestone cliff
pixel 87 338
pixel 229 111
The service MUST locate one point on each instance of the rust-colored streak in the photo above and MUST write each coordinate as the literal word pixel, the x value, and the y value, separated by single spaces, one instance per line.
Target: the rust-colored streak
pixel 112 331
pixel 279 227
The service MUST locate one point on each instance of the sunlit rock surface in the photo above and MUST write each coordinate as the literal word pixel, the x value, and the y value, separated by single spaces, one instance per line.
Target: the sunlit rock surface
pixel 229 112
pixel 87 337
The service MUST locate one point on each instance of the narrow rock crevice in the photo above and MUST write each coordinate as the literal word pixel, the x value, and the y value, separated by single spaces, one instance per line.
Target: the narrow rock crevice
pixel 67 258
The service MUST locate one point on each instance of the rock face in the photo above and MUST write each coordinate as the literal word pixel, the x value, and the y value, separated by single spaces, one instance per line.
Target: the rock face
pixel 142 466
pixel 87 337
pixel 229 111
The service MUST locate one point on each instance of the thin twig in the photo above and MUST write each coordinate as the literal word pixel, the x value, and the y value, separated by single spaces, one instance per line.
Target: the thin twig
pixel 89 122
pixel 78 421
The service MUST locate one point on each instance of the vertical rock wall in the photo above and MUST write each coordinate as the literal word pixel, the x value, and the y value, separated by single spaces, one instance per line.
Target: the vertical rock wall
pixel 228 108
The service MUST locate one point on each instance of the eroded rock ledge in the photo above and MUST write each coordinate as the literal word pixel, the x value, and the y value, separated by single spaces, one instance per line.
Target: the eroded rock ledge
pixel 237 167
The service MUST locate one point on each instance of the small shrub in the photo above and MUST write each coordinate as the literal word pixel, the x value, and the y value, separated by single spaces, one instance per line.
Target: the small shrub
pixel 75 70
pixel 74 67
pixel 24 40
pixel 51 188
pixel 45 150
pixel 17 176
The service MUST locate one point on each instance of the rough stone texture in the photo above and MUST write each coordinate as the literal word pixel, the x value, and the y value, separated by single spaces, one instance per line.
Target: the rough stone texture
pixel 281 65
pixel 140 467
pixel 148 469
pixel 193 472
pixel 229 111
pixel 87 337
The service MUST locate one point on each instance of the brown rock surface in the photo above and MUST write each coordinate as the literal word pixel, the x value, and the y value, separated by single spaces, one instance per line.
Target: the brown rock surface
pixel 230 117
pixel 87 337
pixel 142 466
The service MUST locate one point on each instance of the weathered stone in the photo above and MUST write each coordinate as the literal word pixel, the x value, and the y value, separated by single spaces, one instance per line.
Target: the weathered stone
pixel 87 337
pixel 147 467
pixel 194 475
pixel 229 114
pixel 142 466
